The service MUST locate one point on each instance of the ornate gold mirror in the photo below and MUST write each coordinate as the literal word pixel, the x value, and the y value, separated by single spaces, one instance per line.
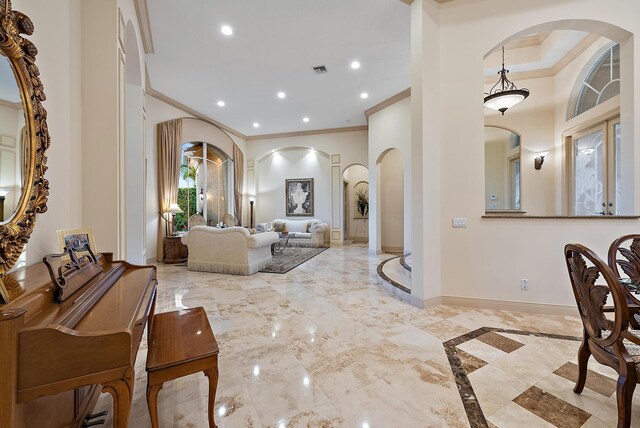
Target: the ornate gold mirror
pixel 24 138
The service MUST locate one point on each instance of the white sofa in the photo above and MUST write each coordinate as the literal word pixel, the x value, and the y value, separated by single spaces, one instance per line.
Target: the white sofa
pixel 310 232
pixel 231 250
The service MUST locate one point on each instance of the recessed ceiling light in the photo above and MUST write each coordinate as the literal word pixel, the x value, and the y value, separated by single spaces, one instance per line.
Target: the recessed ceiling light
pixel 226 30
pixel 220 103
pixel 305 119
pixel 355 65
pixel 256 125
pixel 282 95
pixel 364 95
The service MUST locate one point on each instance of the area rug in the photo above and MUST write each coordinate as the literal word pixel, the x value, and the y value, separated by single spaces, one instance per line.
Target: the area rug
pixel 291 258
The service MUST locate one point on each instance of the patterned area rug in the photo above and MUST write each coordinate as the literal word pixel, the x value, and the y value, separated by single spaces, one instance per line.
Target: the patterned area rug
pixel 291 258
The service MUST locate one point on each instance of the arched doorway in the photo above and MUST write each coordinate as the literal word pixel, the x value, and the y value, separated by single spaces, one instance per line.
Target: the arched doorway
pixel 134 153
pixel 391 214
pixel 356 204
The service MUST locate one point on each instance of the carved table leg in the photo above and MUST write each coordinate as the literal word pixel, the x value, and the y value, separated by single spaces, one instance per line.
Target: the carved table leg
pixel 152 402
pixel 121 393
pixel 212 374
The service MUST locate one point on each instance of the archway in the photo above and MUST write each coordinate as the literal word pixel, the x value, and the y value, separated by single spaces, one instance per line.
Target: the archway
pixel 356 203
pixel 390 170
pixel 134 154
pixel 561 123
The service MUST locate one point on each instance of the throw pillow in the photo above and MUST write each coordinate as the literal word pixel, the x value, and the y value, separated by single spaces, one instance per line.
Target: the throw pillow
pixel 279 227
pixel 310 226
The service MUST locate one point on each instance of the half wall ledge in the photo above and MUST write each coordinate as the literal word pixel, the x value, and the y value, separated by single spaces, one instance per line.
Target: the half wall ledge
pixel 568 217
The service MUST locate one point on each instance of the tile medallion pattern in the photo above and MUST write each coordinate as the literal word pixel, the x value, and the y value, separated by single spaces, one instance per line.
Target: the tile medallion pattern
pixel 326 345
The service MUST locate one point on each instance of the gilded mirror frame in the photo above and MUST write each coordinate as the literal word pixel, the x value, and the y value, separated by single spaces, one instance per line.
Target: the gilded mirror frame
pixel 21 53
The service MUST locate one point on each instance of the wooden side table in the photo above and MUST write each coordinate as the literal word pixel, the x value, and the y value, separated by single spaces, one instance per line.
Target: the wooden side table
pixel 181 343
pixel 174 250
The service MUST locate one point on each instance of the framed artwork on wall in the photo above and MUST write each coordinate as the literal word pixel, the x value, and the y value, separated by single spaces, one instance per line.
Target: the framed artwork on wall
pixel 298 195
pixel 76 238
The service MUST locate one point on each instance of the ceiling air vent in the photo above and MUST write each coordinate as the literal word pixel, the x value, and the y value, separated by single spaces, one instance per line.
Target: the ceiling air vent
pixel 319 69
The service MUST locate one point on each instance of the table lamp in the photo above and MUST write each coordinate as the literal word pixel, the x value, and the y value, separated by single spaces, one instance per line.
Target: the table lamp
pixel 173 210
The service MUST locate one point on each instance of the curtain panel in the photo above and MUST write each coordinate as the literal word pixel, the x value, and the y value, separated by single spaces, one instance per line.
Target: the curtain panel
pixel 238 177
pixel 169 139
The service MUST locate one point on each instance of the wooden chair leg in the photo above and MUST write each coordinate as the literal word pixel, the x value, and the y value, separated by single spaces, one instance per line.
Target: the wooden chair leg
pixel 583 359
pixel 213 386
pixel 152 403
pixel 122 395
pixel 624 395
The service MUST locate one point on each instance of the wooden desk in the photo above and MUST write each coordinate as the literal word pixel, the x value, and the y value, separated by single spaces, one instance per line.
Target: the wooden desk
pixel 181 343
pixel 174 250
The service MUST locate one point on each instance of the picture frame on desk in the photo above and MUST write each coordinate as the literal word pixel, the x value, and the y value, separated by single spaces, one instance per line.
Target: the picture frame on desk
pixel 76 238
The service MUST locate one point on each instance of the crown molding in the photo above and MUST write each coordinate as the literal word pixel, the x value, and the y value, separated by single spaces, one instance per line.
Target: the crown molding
pixel 389 101
pixel 570 56
pixel 527 42
pixel 9 104
pixel 142 13
pixel 307 133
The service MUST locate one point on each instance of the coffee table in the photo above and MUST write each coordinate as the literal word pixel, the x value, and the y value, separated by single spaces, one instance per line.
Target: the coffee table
pixel 279 246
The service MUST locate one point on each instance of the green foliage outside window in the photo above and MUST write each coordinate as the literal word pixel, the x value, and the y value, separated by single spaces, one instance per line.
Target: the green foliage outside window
pixel 182 219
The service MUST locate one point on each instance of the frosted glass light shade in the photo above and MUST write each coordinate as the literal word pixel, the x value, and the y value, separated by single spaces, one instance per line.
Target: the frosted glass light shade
pixel 502 101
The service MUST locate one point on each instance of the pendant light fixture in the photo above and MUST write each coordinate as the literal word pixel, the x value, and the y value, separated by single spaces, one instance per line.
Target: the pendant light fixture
pixel 504 94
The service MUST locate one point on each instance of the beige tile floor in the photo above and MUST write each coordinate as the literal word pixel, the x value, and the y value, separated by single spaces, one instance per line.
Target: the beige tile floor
pixel 325 346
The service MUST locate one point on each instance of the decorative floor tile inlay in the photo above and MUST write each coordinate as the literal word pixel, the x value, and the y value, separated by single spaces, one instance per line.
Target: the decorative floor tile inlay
pixel 552 409
pixel 547 402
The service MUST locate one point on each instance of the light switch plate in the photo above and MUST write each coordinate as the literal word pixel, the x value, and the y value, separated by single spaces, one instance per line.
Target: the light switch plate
pixel 459 222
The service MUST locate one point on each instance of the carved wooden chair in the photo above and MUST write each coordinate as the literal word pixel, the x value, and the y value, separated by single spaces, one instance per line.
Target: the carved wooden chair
pixel 609 340
pixel 628 247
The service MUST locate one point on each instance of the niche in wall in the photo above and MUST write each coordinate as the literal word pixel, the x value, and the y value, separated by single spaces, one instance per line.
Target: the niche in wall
pixel 291 163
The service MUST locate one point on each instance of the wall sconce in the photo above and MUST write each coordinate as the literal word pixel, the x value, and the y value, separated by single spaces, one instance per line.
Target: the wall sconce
pixel 201 195
pixel 539 160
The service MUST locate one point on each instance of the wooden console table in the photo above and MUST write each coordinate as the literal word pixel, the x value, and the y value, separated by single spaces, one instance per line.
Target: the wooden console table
pixel 174 250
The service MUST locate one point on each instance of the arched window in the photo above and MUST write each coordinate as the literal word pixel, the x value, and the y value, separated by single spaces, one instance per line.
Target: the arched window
pixel 601 82
pixel 204 184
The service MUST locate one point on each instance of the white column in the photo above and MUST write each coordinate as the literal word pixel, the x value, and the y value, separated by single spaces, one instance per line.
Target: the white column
pixel 426 275
pixel 337 210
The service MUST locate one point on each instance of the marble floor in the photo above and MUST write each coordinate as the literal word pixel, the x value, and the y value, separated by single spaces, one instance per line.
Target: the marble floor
pixel 326 346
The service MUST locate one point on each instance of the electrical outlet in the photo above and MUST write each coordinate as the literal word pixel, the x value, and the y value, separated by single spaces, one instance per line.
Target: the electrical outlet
pixel 524 284
pixel 459 222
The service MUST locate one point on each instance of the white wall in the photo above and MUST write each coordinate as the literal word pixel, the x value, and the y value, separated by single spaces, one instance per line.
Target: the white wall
pixel 534 120
pixel 488 259
pixel 357 228
pixel 57 37
pixel 392 201
pixel 389 128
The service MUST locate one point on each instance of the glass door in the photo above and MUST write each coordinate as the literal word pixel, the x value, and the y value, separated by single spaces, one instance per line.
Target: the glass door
pixel 589 173
pixel 597 170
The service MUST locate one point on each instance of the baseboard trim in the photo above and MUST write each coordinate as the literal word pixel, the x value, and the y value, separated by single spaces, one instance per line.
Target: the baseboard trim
pixel 398 250
pixel 152 260
pixel 510 305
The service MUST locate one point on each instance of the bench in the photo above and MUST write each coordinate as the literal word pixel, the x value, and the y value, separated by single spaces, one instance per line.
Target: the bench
pixel 180 343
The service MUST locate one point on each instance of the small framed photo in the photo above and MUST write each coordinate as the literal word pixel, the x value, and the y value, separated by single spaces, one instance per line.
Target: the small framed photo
pixel 298 193
pixel 76 238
